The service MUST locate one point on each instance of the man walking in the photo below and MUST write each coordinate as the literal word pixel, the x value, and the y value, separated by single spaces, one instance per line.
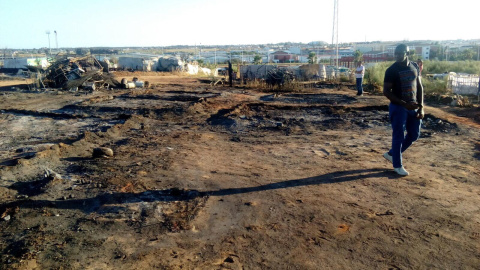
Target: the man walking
pixel 359 73
pixel 403 87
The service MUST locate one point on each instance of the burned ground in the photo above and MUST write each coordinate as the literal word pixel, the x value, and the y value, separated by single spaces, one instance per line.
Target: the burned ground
pixel 209 177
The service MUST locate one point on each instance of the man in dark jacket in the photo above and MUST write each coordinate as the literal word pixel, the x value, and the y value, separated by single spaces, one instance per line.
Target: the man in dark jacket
pixel 403 87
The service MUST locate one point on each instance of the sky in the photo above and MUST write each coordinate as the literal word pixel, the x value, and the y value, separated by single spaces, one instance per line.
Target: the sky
pixel 145 23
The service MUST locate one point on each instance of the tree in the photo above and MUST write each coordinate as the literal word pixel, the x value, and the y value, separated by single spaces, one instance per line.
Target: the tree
pixel 82 51
pixel 412 55
pixel 257 59
pixel 358 56
pixel 312 58
pixel 435 54
pixel 467 54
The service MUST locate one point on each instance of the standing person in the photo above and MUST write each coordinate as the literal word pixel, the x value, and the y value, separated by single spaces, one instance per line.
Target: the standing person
pixel 420 66
pixel 403 87
pixel 359 73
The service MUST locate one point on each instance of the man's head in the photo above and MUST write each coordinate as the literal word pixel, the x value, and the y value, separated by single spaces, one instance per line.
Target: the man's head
pixel 401 52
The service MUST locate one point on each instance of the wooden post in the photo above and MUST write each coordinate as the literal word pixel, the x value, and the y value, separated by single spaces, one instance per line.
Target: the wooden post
pixel 230 75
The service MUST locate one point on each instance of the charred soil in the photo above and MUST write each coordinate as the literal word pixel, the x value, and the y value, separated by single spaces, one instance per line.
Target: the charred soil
pixel 206 177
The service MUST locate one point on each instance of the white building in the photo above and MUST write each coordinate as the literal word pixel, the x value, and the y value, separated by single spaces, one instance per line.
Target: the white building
pixel 425 52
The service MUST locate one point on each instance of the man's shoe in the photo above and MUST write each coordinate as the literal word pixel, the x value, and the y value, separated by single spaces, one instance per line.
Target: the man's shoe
pixel 388 157
pixel 401 171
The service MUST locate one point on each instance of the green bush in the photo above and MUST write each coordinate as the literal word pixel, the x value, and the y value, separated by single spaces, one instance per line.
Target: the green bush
pixel 469 67
pixel 344 78
pixel 375 75
pixel 438 86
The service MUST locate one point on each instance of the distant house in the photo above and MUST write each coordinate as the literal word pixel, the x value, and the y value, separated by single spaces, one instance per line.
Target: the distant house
pixel 283 57
pixel 423 52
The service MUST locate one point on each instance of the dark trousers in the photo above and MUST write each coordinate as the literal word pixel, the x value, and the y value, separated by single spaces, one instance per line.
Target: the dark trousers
pixel 359 86
pixel 402 120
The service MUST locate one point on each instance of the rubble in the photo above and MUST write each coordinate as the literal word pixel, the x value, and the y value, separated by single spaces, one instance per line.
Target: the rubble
pixel 279 77
pixel 73 73
pixel 169 64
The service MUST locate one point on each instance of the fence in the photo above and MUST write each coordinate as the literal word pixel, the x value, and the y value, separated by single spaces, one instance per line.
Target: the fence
pixel 464 84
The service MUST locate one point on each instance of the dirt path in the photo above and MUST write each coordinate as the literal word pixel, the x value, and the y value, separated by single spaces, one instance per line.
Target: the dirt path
pixel 219 178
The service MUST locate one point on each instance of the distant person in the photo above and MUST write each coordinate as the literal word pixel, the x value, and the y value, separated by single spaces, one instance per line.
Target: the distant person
pixel 359 74
pixel 403 87
pixel 420 66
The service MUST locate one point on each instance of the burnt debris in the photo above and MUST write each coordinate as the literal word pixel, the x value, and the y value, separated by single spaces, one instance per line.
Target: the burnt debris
pixel 75 73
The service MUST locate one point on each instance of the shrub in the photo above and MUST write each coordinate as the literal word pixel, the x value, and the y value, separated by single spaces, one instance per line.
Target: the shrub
pixel 469 67
pixel 438 86
pixel 375 75
pixel 344 78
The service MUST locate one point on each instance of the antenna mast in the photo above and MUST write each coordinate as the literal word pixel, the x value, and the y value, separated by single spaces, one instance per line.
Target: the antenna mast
pixel 335 30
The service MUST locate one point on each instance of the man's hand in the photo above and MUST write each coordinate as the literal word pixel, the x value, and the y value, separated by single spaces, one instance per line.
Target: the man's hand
pixel 411 106
pixel 420 113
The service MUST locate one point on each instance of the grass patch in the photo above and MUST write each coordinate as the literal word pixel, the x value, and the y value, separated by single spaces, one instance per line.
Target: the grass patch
pixel 374 76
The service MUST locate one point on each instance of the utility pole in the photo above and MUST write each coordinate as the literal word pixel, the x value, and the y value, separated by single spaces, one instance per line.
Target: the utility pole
pixel 335 30
pixel 56 40
pixel 337 35
pixel 48 34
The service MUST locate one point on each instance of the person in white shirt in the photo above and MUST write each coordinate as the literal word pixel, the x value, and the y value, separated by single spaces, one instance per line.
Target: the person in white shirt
pixel 359 73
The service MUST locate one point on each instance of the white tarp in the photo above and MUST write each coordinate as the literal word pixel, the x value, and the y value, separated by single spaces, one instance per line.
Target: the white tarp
pixel 169 64
pixel 137 62
pixel 191 69
pixel 206 71
pixel 255 71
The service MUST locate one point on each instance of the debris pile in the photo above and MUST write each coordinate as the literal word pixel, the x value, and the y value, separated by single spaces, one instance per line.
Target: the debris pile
pixel 73 73
pixel 460 101
pixel 454 100
pixel 279 77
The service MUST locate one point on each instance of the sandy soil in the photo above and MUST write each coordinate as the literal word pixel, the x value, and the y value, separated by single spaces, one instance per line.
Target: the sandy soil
pixel 209 177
